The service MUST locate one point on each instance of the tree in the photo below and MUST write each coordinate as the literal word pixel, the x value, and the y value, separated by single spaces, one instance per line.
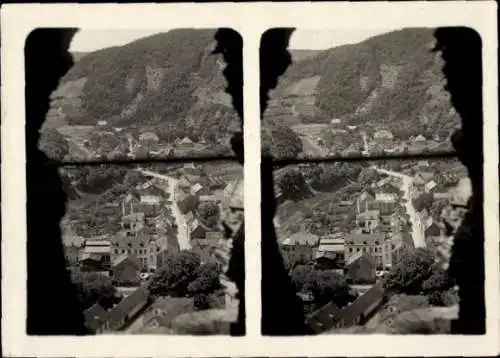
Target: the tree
pixel 175 275
pixel 438 287
pixel 437 207
pixel 330 286
pixel 207 211
pixel 189 203
pixel 93 287
pixel 292 184
pixel 133 178
pixel 303 277
pixel 424 201
pixel 207 279
pixel 413 270
pixel 53 144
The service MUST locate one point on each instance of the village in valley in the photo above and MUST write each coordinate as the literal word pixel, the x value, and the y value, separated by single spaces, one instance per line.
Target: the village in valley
pixel 147 245
pixel 365 233
pixel 125 262
pixel 365 251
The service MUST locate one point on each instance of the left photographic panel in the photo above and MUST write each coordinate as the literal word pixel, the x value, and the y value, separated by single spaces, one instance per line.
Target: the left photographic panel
pixel 148 247
pixel 141 94
pixel 134 182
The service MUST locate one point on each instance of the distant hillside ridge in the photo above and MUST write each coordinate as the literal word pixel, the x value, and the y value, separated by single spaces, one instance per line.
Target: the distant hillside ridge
pixel 393 80
pixel 169 79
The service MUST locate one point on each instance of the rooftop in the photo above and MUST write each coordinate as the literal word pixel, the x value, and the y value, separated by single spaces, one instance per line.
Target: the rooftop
pixel 363 239
pixel 95 317
pixel 301 238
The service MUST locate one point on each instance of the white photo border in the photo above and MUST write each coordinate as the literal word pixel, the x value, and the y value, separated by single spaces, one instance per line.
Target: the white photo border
pixel 250 20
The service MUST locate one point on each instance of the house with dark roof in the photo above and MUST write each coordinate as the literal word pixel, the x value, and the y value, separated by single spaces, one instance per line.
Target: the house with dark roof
pixel 365 201
pixel 96 318
pixel 384 138
pixel 330 316
pixel 422 178
pixel 361 269
pixel 151 195
pixel 205 249
pixel 125 271
pixel 124 312
pixel 432 229
pixel 165 309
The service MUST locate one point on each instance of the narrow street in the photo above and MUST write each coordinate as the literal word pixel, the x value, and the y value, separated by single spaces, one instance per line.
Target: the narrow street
pixel 182 226
pixel 417 233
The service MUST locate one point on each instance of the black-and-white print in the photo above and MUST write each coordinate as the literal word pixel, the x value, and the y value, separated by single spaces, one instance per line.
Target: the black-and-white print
pixel 148 245
pixel 360 92
pixel 366 243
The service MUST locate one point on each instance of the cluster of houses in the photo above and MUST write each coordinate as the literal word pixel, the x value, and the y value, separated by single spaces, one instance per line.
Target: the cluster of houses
pixel 344 141
pixel 145 238
pixel 379 240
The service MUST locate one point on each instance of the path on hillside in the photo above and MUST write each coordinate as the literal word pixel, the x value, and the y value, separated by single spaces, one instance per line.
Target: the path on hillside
pixel 182 225
pixel 417 233
pixel 311 148
pixel 76 149
pixel 365 143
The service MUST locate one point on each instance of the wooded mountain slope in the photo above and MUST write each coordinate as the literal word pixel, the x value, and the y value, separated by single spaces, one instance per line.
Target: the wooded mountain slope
pixel 169 78
pixel 393 79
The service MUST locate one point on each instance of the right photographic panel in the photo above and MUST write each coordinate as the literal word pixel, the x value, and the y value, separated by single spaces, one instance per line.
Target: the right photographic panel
pixel 365 178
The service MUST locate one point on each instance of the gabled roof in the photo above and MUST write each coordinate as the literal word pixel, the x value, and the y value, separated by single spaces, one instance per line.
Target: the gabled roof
pixel 148 136
pixel 331 245
pixel 184 183
pixel 365 195
pixel 170 307
pixel 420 138
pixel 369 215
pixel 124 260
pixel 97 250
pixel 185 140
pixel 301 238
pixel 360 256
pixel 197 187
pixel 422 178
pixel 95 317
pixel 384 181
pixel 325 318
pixel 120 312
pixel 385 134
pixel 360 239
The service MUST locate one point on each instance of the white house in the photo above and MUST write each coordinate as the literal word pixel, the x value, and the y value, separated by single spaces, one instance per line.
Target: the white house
pixel 429 186
pixel 196 188
pixel 150 199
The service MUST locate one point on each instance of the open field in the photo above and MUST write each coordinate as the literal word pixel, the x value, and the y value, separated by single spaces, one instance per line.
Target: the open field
pixel 75 132
pixel 309 129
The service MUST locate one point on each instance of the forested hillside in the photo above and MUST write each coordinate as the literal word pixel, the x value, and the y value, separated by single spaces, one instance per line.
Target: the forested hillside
pixel 393 79
pixel 168 78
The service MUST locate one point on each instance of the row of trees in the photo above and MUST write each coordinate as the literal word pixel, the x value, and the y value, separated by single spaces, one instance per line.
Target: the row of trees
pixel 418 274
pixel 94 287
pixel 325 286
pixel 53 144
pixel 183 275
